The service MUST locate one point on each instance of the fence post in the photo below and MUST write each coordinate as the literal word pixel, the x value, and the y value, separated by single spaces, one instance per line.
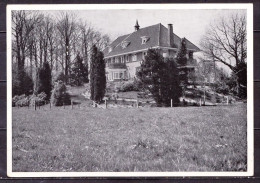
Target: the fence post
pixel 137 104
pixel 50 104
pixel 227 100
pixel 63 105
pixel 171 102
pixel 200 102
pixel 71 104
pixel 39 105
pixel 106 103
pixel 34 105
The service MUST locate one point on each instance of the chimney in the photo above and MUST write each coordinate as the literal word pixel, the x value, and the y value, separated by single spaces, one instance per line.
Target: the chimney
pixel 170 35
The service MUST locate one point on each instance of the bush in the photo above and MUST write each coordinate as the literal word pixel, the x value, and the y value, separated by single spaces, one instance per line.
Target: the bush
pixel 59 94
pixel 19 100
pixel 127 86
pixel 40 99
pixel 22 83
pixel 60 77
pixel 24 100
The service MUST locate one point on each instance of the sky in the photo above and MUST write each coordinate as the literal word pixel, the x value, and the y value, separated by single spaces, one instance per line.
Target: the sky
pixel 189 23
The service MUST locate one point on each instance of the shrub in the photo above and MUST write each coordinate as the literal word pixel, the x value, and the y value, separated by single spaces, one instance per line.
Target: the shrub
pixel 21 83
pixel 17 98
pixel 127 86
pixel 60 77
pixel 40 99
pixel 59 94
pixel 24 100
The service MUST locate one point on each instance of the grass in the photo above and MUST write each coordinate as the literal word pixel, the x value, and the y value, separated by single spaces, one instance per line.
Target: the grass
pixel 130 139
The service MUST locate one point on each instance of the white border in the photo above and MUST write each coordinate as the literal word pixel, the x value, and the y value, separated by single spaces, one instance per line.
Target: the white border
pixel 250 107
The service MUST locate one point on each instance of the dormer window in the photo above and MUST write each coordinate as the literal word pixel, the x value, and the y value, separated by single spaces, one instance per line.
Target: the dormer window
pixel 110 48
pixel 145 39
pixel 124 44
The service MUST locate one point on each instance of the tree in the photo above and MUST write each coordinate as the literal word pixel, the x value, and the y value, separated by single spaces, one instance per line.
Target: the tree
pixel 59 94
pixel 21 83
pixel 97 75
pixel 225 41
pixel 181 60
pixel 67 29
pixel 44 80
pixel 78 71
pixel 160 77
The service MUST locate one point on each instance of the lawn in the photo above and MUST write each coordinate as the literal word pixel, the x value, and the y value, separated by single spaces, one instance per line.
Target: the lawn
pixel 130 139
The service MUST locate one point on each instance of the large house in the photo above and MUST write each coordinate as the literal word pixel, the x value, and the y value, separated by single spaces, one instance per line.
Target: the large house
pixel 124 55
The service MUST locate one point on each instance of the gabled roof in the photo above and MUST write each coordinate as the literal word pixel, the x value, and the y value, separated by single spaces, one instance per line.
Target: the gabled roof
pixel 158 36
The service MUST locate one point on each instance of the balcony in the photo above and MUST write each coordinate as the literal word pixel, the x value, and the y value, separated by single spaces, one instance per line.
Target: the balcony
pixel 117 66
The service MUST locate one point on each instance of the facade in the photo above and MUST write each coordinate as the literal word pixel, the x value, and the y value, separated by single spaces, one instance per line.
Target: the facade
pixel 124 55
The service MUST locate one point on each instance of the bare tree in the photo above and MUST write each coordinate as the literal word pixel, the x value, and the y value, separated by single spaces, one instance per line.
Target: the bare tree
pixel 66 27
pixel 23 23
pixel 225 41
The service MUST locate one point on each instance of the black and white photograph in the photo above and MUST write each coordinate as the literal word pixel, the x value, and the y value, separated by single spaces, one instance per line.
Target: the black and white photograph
pixel 130 90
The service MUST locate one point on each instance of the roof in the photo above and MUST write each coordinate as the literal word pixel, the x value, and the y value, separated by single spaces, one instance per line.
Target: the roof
pixel 157 37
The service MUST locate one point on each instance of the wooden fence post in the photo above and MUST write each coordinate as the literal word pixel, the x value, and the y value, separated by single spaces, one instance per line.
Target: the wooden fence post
pixel 50 104
pixel 137 103
pixel 227 100
pixel 200 102
pixel 63 105
pixel 171 102
pixel 34 105
pixel 106 103
pixel 71 104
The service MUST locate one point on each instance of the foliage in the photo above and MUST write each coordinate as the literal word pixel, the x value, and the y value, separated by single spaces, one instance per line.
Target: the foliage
pixel 160 78
pixel 24 100
pixel 39 99
pixel 77 74
pixel 43 82
pixel 59 95
pixel 97 75
pixel 21 83
pixel 85 72
pixel 125 86
pixel 226 41
pixel 181 60
pixel 60 77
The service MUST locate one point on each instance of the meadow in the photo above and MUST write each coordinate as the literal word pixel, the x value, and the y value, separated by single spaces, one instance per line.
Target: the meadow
pixel 130 139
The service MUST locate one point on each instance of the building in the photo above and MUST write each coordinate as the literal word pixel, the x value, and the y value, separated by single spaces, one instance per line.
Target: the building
pixel 124 55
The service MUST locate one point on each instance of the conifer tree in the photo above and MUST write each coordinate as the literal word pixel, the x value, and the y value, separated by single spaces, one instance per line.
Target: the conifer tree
pixel 77 75
pixel 97 75
pixel 85 72
pixel 43 82
pixel 181 60
pixel 160 77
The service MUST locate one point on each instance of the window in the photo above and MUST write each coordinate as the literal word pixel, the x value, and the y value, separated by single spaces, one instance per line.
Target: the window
pixel 144 54
pixel 134 57
pixel 127 58
pixel 110 48
pixel 145 39
pixel 124 44
pixel 118 75
pixel 122 59
pixel 116 60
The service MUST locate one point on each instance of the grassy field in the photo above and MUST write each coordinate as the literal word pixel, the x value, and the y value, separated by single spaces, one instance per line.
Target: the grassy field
pixel 130 139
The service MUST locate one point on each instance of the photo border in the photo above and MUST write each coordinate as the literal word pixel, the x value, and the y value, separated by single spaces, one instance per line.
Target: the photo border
pixel 250 89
